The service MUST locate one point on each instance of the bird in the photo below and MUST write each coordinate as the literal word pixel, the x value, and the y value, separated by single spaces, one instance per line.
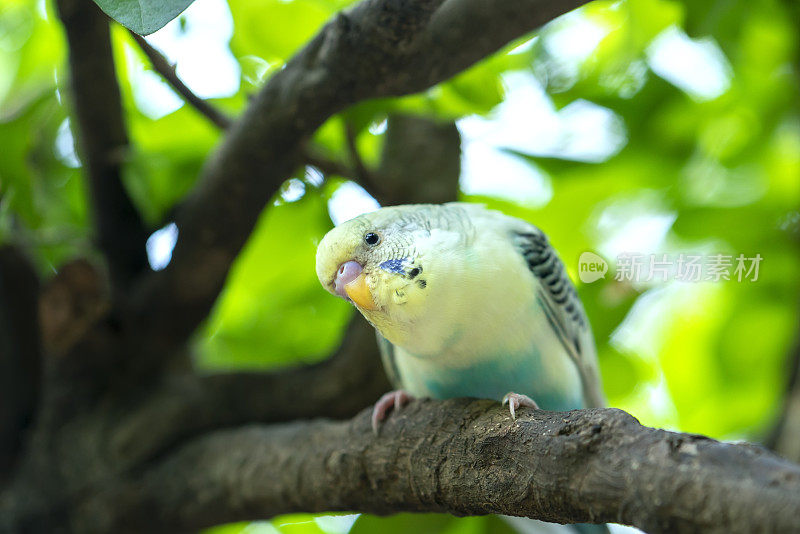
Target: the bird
pixel 466 302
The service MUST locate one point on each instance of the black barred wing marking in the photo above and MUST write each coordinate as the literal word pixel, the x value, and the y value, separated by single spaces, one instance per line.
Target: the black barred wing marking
pixel 563 309
pixel 543 262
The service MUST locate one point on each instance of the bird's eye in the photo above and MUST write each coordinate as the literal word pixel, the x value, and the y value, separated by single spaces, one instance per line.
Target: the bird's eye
pixel 372 239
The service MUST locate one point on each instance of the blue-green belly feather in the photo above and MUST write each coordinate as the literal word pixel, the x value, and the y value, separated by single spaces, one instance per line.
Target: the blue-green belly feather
pixel 493 378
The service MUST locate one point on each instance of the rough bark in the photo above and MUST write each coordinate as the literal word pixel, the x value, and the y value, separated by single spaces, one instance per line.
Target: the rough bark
pixel 464 457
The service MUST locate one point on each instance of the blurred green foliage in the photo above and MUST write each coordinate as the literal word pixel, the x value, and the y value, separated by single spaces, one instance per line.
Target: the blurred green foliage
pixel 366 524
pixel 694 170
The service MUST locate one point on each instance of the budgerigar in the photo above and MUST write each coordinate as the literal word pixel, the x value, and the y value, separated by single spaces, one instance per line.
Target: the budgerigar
pixel 467 302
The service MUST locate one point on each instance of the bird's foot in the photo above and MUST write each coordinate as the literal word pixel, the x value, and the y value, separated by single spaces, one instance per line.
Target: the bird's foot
pixel 515 400
pixel 393 399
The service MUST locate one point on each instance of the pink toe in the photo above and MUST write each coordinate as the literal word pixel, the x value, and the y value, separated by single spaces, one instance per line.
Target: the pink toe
pixel 393 399
pixel 381 408
pixel 515 400
pixel 401 398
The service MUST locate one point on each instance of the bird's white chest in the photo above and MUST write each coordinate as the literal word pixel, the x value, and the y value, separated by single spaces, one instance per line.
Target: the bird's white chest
pixel 477 300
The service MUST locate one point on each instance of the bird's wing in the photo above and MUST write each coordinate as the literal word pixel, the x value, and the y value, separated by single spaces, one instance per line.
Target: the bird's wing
pixel 388 358
pixel 563 308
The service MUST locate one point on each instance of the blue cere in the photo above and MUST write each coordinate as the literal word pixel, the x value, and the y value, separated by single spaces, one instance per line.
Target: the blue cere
pixel 394 266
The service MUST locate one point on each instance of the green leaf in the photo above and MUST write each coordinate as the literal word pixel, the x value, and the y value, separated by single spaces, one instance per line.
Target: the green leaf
pixel 433 524
pixel 296 524
pixel 163 166
pixel 274 29
pixel 40 193
pixel 143 16
pixel 402 523
pixel 30 49
pixel 273 310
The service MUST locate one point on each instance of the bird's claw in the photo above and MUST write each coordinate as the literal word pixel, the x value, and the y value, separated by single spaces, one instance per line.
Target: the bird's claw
pixel 515 400
pixel 394 399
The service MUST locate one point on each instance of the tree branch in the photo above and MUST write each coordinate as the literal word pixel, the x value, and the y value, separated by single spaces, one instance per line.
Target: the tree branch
pixel 377 48
pixel 20 353
pixel 183 407
pixel 338 387
pixel 362 175
pixel 167 71
pixel 329 166
pixel 421 160
pixel 103 141
pixel 465 457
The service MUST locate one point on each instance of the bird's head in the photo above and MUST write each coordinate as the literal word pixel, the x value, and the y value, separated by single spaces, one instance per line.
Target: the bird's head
pixel 382 263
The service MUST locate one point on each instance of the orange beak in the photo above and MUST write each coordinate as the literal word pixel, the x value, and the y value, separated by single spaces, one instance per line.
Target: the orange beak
pixel 359 293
